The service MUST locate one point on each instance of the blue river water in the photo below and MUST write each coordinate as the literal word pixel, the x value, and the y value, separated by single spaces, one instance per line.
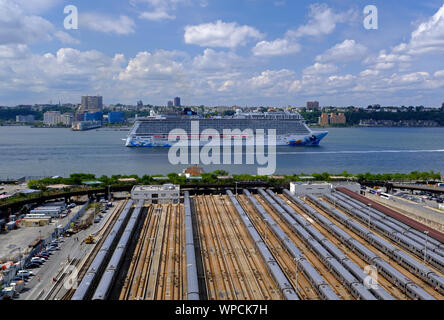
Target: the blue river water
pixel 26 151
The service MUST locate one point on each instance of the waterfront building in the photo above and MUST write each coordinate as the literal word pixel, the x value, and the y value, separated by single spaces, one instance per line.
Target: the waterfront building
pixel 25 118
pixel 86 125
pixel 324 120
pixel 332 118
pixel 116 117
pixel 51 118
pixel 79 116
pixel 67 119
pixel 94 116
pixel 170 104
pixel 92 103
pixel 177 102
pixel 337 118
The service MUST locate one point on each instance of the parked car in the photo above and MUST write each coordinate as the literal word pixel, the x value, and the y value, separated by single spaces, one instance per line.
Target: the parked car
pixel 25 273
pixel 40 257
pixel 38 260
pixel 32 265
pixel 20 278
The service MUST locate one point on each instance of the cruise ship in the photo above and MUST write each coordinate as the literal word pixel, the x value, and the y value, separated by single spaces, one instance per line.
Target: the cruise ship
pixel 291 129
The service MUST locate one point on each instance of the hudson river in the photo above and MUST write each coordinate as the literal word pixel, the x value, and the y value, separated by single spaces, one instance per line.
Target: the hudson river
pixel 26 151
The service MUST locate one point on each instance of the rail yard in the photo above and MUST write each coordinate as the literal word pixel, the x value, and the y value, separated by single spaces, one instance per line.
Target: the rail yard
pixel 257 245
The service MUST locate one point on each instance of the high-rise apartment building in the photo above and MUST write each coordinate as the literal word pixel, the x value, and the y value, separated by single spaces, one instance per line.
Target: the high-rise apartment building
pixel 313 105
pixel 92 103
pixel 177 102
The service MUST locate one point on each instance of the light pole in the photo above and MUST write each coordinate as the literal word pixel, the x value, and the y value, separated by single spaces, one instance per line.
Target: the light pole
pixel 425 246
pixel 236 187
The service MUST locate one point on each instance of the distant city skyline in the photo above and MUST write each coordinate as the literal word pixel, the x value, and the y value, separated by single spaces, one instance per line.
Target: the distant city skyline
pixel 246 53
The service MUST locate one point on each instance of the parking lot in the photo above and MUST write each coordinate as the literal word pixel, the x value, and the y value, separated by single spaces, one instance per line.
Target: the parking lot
pixel 14 242
pixel 65 250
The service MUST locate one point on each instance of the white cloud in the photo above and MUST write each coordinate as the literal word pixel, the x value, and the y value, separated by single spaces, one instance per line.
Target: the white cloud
pixel 348 50
pixel 429 36
pixel 121 25
pixel 212 60
pixel 37 6
pixel 160 65
pixel 18 27
pixel 161 9
pixel 16 51
pixel 320 68
pixel 384 65
pixel 157 15
pixel 65 37
pixel 323 21
pixel 369 72
pixel 270 78
pixel 220 34
pixel 279 47
pixel 439 74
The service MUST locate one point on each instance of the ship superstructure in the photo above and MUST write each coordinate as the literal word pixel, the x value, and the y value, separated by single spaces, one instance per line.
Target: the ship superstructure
pixel 291 128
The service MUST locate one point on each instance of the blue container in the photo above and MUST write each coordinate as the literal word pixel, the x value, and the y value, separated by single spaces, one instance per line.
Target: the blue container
pixel 96 116
pixel 116 117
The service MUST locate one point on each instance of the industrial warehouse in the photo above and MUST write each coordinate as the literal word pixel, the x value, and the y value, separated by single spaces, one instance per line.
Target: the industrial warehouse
pixel 327 243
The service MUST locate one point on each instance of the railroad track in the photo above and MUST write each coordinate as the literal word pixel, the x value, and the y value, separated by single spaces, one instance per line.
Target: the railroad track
pixel 251 279
pixel 157 270
pixel 381 254
pixel 261 280
pixel 130 286
pixel 398 294
pixel 219 281
pixel 84 264
pixel 299 281
pixel 389 260
pixel 336 285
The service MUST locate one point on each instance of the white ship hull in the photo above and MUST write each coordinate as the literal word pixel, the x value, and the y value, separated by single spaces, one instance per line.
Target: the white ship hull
pixel 148 141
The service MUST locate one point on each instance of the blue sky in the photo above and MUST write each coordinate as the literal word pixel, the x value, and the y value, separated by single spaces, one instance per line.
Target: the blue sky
pixel 212 52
